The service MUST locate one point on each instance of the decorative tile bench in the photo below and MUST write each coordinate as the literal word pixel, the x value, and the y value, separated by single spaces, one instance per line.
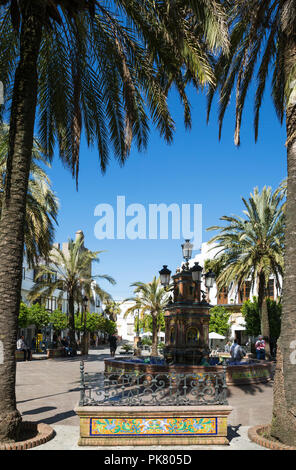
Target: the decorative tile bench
pixel 130 409
pixel 152 425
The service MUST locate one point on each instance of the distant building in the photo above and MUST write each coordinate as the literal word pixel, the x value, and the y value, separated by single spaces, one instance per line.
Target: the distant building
pixel 126 326
pixel 52 303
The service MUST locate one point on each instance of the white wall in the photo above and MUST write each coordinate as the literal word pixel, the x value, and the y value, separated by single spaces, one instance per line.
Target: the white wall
pixel 125 326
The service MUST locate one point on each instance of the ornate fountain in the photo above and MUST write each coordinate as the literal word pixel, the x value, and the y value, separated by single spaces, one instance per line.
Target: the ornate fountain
pixel 187 331
pixel 187 316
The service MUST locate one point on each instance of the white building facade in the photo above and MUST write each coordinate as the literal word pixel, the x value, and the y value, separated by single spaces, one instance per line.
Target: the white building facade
pixel 126 325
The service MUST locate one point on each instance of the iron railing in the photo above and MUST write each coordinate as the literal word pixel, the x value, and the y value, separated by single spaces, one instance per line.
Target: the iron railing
pixel 140 389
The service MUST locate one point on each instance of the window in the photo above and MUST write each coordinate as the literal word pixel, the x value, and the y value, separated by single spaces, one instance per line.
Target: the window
pixel 222 296
pixel 270 289
pixel 65 306
pixel 51 303
pixel 48 303
pixel 130 330
pixel 24 273
pixel 244 293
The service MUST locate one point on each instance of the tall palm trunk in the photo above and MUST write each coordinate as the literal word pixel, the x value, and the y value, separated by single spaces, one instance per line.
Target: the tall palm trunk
pixel 262 304
pixel 154 351
pixel 72 323
pixel 284 407
pixel 22 122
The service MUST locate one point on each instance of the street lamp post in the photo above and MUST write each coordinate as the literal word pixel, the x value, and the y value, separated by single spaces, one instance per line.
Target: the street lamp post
pixel 85 346
pixel 196 271
pixel 165 275
pixel 187 248
pixel 209 282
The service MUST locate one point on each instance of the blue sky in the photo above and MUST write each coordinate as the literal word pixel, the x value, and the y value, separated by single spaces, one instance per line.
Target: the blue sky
pixel 195 169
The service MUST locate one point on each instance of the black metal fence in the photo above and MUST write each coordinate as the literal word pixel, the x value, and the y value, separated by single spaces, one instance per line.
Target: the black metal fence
pixel 158 389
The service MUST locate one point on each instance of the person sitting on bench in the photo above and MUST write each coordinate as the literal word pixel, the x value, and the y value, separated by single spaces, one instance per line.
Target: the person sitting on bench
pixel 21 346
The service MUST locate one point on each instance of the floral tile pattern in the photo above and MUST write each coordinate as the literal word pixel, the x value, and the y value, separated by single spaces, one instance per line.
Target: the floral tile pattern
pixel 250 374
pixel 152 426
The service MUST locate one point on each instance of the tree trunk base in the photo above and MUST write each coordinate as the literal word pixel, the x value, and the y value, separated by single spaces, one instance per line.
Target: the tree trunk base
pixel 10 425
pixel 283 426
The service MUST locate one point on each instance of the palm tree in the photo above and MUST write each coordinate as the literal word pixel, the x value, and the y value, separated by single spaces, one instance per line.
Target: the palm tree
pixel 252 248
pixel 112 309
pixel 73 277
pixel 263 46
pixel 80 64
pixel 151 299
pixel 42 204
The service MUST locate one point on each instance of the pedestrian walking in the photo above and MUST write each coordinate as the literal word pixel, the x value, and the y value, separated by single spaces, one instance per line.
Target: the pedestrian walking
pixel 113 344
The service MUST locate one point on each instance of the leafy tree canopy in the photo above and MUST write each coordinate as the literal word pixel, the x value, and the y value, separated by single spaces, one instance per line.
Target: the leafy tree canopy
pixel 58 320
pixel 23 318
pixel 219 320
pixel 38 316
pixel 95 322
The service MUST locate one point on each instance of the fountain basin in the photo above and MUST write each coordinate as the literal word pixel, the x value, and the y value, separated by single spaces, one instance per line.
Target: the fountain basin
pixel 239 374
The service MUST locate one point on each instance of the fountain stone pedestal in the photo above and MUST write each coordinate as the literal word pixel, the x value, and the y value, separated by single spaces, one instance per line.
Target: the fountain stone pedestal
pixel 186 322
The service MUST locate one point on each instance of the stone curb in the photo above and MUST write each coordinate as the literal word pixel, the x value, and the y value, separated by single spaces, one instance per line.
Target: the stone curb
pixel 254 433
pixel 45 433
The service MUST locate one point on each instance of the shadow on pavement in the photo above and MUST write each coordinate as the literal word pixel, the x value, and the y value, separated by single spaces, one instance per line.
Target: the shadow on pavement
pixel 77 389
pixel 232 432
pixel 42 409
pixel 88 358
pixel 58 417
pixel 249 389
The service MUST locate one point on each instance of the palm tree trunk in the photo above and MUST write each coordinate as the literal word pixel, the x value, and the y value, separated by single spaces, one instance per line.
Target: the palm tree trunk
pixel 284 406
pixel 154 351
pixel 265 328
pixel 22 122
pixel 72 323
pixel 265 331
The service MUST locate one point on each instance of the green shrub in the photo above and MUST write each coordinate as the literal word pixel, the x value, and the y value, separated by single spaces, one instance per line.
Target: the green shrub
pixel 146 341
pixel 250 311
pixel 38 316
pixel 23 318
pixel 58 320
pixel 219 320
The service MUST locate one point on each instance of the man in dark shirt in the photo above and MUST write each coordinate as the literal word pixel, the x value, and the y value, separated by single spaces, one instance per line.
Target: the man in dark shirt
pixel 113 344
